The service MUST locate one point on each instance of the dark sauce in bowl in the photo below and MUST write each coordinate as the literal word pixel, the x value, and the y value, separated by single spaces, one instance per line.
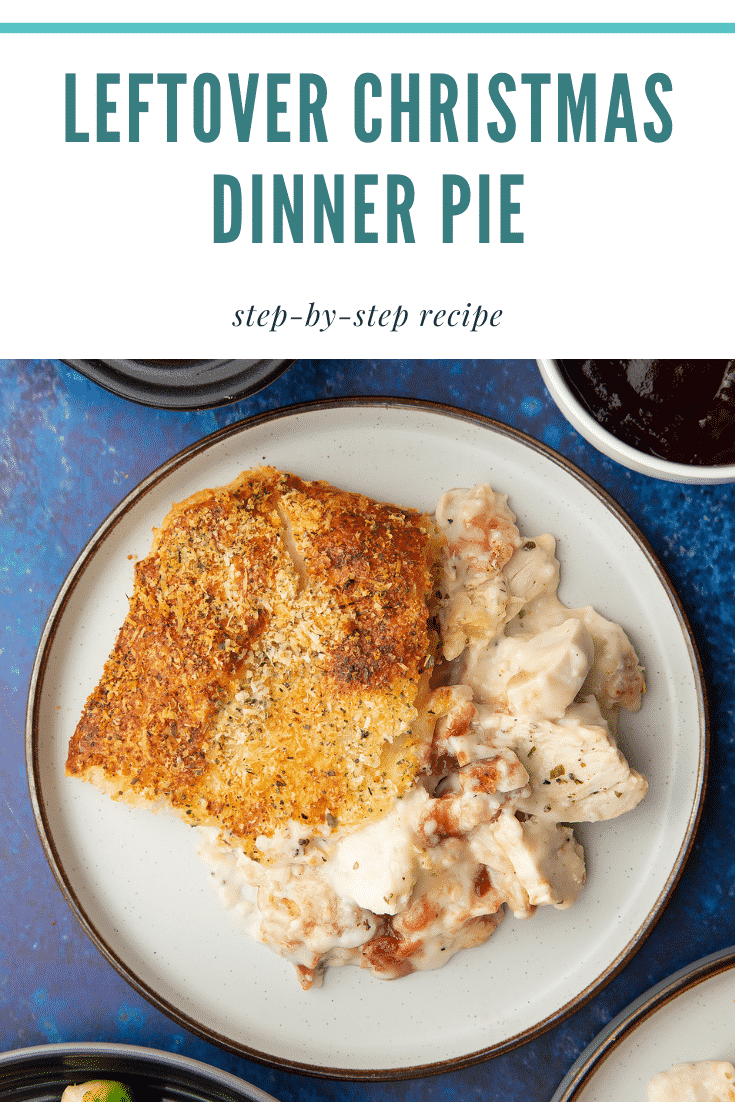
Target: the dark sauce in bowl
pixel 679 410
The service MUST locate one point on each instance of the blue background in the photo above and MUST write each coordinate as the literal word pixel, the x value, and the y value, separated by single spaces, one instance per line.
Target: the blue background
pixel 69 451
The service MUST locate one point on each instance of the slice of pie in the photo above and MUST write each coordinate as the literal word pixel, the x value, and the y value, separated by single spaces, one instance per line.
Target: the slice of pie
pixel 272 674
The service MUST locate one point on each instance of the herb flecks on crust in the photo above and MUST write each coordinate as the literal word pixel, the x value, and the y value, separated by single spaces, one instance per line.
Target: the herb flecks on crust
pixel 273 666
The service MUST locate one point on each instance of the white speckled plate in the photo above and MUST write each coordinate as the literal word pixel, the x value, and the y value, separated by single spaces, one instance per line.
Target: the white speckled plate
pixel 148 903
pixel 686 1018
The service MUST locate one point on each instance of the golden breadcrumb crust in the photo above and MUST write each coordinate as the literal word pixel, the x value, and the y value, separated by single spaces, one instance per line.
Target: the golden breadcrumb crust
pixel 274 662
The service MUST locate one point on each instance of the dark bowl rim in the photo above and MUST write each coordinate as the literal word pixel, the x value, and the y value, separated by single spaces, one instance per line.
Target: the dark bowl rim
pixel 112 1058
pixel 184 390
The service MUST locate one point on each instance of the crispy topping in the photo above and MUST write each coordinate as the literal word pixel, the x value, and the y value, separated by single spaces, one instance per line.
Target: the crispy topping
pixel 270 663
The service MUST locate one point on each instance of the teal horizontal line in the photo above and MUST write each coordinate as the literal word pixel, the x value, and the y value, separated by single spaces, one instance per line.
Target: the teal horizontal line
pixel 367 28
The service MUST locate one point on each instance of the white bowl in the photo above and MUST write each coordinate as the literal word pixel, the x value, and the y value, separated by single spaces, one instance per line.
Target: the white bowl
pixel 609 445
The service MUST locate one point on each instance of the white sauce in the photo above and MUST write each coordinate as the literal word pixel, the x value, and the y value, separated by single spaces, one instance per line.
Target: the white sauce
pixel 529 728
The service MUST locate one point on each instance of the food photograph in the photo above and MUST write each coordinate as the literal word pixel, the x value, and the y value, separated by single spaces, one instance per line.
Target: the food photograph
pixel 368 730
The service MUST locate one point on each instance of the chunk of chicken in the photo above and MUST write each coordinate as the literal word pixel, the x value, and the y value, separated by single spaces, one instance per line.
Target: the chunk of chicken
pixel 577 772
pixel 481 537
pixel 704 1081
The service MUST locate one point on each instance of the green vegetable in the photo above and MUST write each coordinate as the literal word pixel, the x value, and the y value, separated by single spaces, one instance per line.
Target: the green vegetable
pixel 99 1090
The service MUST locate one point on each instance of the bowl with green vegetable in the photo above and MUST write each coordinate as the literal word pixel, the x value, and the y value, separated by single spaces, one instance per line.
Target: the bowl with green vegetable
pixel 100 1072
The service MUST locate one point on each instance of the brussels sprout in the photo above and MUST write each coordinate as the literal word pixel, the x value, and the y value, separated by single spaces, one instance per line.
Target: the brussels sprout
pixel 100 1090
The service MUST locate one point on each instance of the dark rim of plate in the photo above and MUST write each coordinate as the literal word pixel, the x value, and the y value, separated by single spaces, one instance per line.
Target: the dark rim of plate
pixel 40 1074
pixel 181 384
pixel 621 1027
pixel 34 778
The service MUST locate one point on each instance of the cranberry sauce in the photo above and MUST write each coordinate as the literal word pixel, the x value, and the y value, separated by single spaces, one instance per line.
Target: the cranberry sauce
pixel 679 410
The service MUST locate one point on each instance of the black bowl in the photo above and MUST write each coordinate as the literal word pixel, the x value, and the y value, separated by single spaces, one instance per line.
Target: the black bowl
pixel 40 1074
pixel 182 384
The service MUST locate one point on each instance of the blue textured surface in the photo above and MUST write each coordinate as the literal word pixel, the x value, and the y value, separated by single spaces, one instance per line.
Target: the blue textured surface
pixel 69 451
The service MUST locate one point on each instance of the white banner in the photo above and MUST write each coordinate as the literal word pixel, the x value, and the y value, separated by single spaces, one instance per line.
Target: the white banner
pixel 366 194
